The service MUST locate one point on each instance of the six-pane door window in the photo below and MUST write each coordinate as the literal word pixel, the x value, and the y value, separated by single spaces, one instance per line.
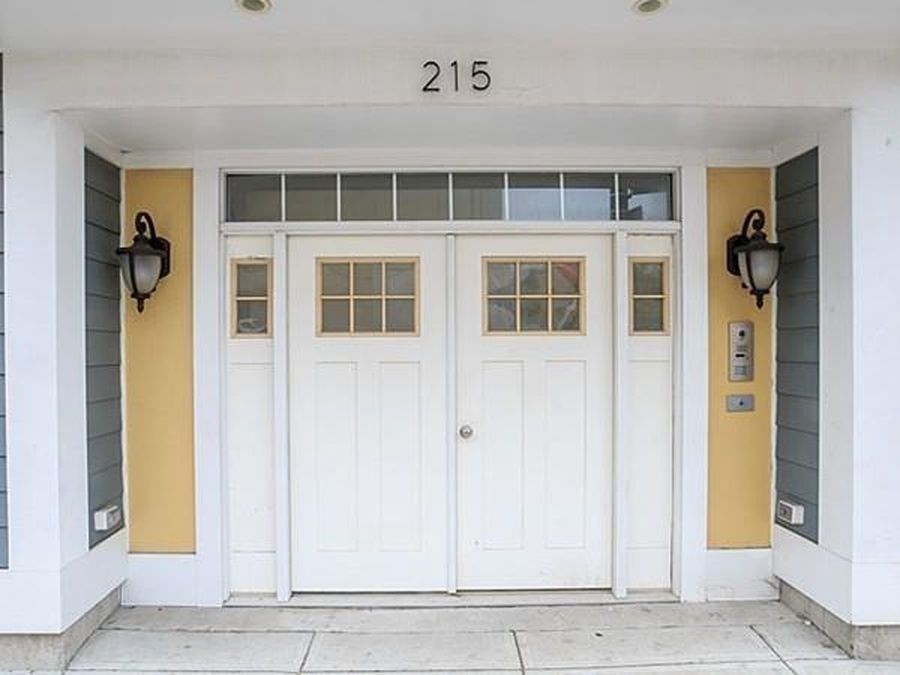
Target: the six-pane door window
pixel 366 296
pixel 533 295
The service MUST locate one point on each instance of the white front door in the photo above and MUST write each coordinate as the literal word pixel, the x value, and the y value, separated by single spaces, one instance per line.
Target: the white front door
pixel 534 316
pixel 367 334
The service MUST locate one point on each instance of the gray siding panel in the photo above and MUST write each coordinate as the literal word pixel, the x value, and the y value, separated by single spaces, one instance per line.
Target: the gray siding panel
pixel 797 174
pixel 102 198
pixel 4 533
pixel 797 352
pixel 798 209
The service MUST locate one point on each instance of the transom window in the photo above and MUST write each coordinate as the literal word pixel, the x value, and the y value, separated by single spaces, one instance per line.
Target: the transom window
pixel 251 313
pixel 533 295
pixel 368 296
pixel 649 296
pixel 449 196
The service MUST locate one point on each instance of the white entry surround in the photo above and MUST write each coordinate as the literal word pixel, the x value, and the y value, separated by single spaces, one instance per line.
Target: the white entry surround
pixel 569 479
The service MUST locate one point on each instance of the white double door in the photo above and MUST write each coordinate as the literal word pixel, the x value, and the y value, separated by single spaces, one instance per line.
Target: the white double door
pixel 387 494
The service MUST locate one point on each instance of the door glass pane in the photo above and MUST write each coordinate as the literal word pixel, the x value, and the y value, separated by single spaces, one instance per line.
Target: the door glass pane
pixel 533 278
pixel 648 315
pixel 400 315
pixel 423 196
pixel 647 278
pixel 478 196
pixel 335 278
pixel 400 278
pixel 534 314
pixel 534 196
pixel 501 278
pixel 253 197
pixel 252 280
pixel 367 197
pixel 251 317
pixel 367 316
pixel 367 278
pixel 566 314
pixel 502 314
pixel 335 316
pixel 566 278
pixel 589 196
pixel 310 197
pixel 645 196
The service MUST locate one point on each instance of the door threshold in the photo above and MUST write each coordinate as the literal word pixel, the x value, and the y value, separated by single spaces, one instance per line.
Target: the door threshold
pixel 466 599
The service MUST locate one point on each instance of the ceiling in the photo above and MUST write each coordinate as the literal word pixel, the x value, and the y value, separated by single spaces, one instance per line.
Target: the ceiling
pixel 218 24
pixel 265 128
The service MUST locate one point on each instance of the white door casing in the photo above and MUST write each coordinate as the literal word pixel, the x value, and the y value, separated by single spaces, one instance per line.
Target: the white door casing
pixel 367 432
pixel 535 477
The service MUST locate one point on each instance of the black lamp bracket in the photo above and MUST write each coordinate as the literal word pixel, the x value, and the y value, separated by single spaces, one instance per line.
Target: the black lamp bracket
pixel 143 222
pixel 755 218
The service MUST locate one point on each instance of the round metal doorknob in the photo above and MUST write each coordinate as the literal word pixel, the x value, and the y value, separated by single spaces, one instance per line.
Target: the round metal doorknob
pixel 466 432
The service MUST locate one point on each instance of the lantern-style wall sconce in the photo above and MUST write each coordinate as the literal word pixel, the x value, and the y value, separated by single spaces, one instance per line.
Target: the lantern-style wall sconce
pixel 146 261
pixel 754 259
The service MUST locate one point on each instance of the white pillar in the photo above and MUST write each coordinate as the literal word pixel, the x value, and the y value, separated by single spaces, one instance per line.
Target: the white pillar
pixel 52 578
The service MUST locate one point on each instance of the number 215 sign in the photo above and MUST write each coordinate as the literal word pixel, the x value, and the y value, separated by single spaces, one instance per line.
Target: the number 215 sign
pixel 478 79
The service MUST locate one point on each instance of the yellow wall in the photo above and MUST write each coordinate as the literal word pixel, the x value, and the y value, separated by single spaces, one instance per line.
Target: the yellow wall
pixel 158 375
pixel 740 444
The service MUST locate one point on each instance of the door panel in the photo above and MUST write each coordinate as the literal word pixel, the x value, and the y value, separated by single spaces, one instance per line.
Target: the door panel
pixel 535 476
pixel 368 423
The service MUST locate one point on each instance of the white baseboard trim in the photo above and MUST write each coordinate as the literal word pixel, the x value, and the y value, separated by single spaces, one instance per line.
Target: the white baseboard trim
pixel 740 574
pixel 161 579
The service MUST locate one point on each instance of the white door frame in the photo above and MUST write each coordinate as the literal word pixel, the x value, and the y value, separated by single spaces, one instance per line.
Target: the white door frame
pixel 690 315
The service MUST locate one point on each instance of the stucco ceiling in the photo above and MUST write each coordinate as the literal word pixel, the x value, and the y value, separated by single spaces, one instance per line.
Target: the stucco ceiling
pixel 240 128
pixel 212 24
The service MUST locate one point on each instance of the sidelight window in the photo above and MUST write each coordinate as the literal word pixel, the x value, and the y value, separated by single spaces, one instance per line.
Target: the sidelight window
pixel 251 308
pixel 649 296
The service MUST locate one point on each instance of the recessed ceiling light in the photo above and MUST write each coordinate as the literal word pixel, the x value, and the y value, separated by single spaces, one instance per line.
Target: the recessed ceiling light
pixel 649 7
pixel 255 6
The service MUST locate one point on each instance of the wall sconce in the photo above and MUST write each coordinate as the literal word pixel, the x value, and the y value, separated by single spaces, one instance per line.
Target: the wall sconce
pixel 146 261
pixel 752 258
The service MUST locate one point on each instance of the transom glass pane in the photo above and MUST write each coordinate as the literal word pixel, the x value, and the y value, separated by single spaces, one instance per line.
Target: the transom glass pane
pixel 367 196
pixel 589 196
pixel 310 197
pixel 534 196
pixel 423 196
pixel 478 196
pixel 645 196
pixel 253 197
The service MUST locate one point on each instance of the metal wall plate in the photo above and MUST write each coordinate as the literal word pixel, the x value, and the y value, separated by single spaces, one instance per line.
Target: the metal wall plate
pixel 740 402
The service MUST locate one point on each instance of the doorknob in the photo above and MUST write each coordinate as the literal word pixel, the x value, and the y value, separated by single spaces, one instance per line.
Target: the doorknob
pixel 466 432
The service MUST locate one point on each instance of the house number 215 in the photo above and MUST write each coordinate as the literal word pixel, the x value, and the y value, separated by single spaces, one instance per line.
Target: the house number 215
pixel 479 78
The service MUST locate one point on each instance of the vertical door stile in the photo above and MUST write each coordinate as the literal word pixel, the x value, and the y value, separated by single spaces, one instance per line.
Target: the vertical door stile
pixel 451 366
pixel 281 420
pixel 620 465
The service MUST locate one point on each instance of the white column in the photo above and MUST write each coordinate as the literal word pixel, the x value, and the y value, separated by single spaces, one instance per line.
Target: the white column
pixel 876 366
pixel 52 579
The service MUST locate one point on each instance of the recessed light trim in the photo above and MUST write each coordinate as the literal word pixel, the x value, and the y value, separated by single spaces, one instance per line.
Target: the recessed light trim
pixel 254 6
pixel 649 7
